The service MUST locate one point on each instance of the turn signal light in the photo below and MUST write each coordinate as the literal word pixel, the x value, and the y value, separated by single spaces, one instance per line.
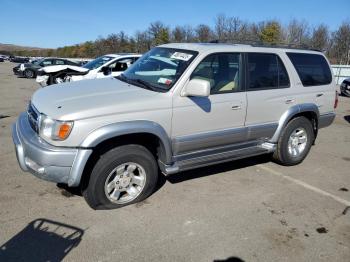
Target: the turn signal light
pixel 64 131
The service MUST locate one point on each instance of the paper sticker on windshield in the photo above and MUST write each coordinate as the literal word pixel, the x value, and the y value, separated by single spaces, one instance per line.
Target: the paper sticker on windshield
pixel 165 81
pixel 181 56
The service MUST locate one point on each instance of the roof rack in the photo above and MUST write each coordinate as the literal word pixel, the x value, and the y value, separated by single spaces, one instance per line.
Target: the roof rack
pixel 257 43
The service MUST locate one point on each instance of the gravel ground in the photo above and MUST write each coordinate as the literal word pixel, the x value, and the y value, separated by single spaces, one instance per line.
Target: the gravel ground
pixel 248 210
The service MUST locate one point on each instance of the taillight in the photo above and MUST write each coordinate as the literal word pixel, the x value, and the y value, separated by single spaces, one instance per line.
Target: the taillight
pixel 336 100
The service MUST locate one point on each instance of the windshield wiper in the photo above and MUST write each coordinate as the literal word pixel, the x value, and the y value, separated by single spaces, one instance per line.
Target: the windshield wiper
pixel 123 78
pixel 146 84
pixel 138 82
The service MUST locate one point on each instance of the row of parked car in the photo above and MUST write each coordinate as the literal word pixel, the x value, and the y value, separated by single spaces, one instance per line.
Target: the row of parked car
pixel 14 59
pixel 49 71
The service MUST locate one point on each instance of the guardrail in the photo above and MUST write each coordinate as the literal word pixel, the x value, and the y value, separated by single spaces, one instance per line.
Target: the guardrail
pixel 341 72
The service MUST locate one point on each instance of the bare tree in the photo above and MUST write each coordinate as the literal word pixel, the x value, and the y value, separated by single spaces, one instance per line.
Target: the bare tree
pixel 204 33
pixel 340 51
pixel 320 38
pixel 220 27
pixel 179 34
pixel 297 32
pixel 233 27
pixel 142 41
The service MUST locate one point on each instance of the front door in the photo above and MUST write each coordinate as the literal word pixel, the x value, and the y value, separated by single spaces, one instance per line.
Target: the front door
pixel 201 123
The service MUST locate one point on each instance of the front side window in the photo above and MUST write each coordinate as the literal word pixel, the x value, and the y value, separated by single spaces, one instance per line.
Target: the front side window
pixel 221 70
pixel 160 68
pixel 266 71
pixel 121 65
pixel 313 70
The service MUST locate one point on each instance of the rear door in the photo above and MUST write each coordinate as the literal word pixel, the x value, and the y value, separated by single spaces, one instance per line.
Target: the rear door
pixel 268 93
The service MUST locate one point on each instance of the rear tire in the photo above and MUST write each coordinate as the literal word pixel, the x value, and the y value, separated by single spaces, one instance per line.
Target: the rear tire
pixel 122 176
pixel 295 142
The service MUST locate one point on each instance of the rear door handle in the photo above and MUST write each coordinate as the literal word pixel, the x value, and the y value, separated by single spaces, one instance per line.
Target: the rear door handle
pixel 289 101
pixel 319 95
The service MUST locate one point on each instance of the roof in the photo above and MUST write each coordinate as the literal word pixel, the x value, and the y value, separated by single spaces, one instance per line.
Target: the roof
pixel 122 54
pixel 219 47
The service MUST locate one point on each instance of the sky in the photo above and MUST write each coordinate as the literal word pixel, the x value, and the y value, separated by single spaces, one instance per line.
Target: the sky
pixel 55 23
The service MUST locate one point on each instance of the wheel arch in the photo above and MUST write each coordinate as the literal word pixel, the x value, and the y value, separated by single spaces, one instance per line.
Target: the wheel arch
pixel 308 110
pixel 137 131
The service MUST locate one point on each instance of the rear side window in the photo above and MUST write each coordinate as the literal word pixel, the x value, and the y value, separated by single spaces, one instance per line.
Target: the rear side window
pixel 266 71
pixel 313 70
pixel 59 62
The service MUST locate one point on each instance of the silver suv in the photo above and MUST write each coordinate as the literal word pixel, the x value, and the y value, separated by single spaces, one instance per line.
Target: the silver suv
pixel 179 107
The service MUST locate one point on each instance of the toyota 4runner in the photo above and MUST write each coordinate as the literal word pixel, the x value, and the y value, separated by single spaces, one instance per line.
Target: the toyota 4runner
pixel 178 107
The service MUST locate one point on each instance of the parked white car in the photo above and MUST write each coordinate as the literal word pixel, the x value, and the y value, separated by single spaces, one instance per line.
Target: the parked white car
pixel 105 66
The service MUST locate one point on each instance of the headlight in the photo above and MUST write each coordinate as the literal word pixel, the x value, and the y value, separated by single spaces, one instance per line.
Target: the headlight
pixel 54 129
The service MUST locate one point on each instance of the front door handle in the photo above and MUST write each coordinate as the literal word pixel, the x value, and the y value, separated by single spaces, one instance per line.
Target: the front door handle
pixel 289 101
pixel 236 107
pixel 319 95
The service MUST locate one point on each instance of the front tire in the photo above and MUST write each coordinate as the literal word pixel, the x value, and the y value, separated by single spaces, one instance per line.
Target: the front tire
pixel 345 91
pixel 122 176
pixel 295 142
pixel 28 73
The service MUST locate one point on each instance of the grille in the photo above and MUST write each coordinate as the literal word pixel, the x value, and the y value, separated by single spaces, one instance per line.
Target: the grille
pixel 33 117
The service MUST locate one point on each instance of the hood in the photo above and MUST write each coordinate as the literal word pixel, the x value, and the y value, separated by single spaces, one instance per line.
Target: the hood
pixel 93 98
pixel 57 68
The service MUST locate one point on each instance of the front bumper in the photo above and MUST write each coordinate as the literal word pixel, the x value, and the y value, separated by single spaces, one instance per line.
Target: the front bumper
pixel 45 161
pixel 42 80
pixel 345 87
pixel 17 71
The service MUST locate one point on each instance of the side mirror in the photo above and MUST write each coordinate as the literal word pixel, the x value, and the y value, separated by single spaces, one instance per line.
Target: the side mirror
pixel 197 87
pixel 106 70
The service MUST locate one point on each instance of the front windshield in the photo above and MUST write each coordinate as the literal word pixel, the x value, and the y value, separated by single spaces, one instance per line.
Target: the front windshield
pixel 160 67
pixel 96 63
pixel 37 62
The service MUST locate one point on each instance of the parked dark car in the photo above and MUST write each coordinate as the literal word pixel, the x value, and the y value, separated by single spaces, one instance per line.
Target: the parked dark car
pixel 29 70
pixel 345 87
pixel 18 59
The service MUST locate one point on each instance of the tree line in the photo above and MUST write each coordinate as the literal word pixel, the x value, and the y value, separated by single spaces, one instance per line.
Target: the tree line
pixel 298 33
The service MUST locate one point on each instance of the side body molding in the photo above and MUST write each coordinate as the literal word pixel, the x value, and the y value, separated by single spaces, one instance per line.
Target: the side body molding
pixel 292 111
pixel 127 128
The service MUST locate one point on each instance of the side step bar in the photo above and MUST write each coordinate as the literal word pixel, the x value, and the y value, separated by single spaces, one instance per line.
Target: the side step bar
pixel 187 163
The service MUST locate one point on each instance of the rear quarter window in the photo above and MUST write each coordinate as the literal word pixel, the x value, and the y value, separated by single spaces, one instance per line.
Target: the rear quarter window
pixel 313 70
